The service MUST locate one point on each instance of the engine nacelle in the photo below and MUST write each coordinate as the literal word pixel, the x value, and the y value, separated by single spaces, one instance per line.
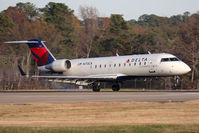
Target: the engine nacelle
pixel 59 65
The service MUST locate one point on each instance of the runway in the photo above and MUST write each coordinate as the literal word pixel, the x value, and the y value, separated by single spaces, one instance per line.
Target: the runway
pixel 68 97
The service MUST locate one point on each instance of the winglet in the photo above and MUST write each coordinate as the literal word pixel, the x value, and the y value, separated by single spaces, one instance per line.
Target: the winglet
pixel 21 71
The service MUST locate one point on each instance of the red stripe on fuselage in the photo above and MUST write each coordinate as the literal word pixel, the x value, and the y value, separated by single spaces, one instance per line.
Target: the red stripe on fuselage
pixel 42 53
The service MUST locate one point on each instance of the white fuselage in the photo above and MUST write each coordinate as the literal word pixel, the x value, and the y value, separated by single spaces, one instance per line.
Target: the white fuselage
pixel 131 65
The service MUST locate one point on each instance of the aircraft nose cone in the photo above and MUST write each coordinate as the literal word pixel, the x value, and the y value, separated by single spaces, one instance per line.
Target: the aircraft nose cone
pixel 181 68
pixel 187 68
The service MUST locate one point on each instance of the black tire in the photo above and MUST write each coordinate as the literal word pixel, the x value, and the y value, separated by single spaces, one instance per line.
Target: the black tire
pixel 96 88
pixel 116 87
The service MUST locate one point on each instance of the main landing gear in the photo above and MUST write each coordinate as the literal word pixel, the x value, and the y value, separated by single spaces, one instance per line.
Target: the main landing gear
pixel 96 87
pixel 115 87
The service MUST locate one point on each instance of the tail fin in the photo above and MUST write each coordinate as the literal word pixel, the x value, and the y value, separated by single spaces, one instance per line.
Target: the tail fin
pixel 39 51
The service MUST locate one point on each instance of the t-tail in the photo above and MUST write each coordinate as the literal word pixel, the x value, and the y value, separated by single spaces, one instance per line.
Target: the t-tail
pixel 40 52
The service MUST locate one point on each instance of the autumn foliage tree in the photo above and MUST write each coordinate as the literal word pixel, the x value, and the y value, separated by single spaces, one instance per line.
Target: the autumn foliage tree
pixel 68 36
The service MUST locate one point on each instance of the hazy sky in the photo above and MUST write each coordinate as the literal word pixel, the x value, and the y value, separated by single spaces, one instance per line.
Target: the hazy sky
pixel 131 9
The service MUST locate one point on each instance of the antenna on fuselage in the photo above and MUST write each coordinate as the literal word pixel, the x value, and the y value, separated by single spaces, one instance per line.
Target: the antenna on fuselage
pixel 149 52
pixel 117 53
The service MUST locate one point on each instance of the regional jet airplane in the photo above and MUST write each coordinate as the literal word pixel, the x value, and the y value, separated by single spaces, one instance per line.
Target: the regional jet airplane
pixel 93 71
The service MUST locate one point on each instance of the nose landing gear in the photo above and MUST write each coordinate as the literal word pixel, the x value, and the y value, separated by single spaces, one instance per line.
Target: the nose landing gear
pixel 177 82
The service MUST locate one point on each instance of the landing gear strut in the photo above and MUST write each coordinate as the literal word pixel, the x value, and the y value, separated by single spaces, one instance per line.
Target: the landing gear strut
pixel 96 87
pixel 177 82
pixel 115 87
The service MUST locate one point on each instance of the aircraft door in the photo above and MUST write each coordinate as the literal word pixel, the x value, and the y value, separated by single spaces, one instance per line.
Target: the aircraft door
pixel 153 69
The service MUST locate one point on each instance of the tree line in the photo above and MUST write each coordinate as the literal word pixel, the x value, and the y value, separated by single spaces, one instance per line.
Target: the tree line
pixel 68 36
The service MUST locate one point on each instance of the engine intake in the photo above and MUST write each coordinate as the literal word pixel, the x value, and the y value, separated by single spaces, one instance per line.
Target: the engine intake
pixel 59 65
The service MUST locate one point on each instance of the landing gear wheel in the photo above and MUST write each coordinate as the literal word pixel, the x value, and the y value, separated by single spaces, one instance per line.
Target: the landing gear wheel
pixel 116 87
pixel 177 82
pixel 96 88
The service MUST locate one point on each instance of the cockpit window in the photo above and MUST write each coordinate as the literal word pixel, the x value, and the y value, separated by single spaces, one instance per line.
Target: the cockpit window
pixel 169 59
pixel 164 59
pixel 174 59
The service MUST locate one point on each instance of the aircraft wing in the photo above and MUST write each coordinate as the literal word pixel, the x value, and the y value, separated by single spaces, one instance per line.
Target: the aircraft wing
pixel 79 80
pixel 88 77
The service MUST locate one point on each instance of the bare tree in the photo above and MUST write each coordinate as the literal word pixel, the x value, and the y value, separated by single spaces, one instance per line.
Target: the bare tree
pixel 190 40
pixel 89 15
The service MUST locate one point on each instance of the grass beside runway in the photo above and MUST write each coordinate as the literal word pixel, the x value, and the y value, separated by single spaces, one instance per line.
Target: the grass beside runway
pixel 99 114
pixel 106 129
pixel 104 117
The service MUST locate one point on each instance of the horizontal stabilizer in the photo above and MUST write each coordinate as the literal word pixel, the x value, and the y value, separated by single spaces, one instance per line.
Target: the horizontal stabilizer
pixel 23 42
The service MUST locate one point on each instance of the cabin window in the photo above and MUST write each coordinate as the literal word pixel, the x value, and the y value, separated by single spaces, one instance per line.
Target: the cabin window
pixel 136 60
pixel 140 63
pixel 134 64
pixel 129 64
pixel 144 63
pixel 109 65
pixel 114 65
pixel 105 66
pixel 119 65
pixel 124 64
pixel 95 66
pixel 100 66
